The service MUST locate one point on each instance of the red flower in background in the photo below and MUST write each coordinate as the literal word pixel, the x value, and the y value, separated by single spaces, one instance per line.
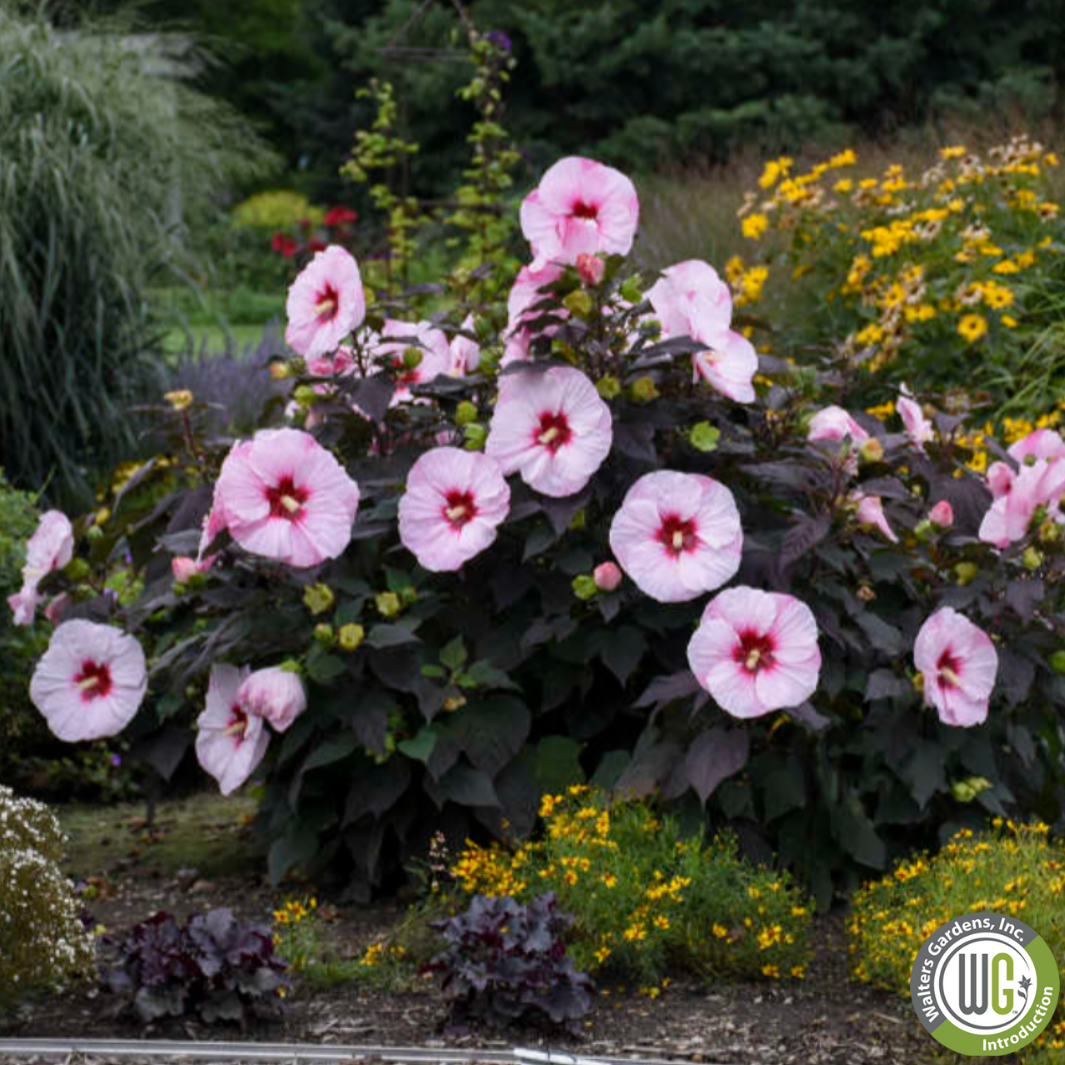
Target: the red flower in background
pixel 284 245
pixel 340 216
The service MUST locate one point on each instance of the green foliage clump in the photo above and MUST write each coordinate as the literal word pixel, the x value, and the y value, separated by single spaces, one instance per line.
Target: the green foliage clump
pixel 22 729
pixel 104 155
pixel 1010 868
pixel 42 941
pixel 642 897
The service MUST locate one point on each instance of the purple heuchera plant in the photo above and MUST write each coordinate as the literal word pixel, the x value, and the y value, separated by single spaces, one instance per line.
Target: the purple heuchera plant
pixel 213 965
pixel 506 963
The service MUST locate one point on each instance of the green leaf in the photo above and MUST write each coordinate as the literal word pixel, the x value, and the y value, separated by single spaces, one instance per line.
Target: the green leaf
pixel 387 635
pixel 296 848
pixel 436 672
pixel 420 747
pixel 333 750
pixel 622 651
pixel 324 668
pixel 453 654
pixel 558 763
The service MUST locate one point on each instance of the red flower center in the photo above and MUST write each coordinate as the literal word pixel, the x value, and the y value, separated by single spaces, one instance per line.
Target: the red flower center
pixel 553 431
pixel 585 210
pixel 237 725
pixel 948 668
pixel 286 499
pixel 460 508
pixel 94 680
pixel 754 651
pixel 677 535
pixel 328 304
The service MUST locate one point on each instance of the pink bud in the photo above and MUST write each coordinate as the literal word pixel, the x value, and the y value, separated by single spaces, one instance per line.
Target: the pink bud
pixel 590 268
pixel 185 568
pixel 607 576
pixel 942 515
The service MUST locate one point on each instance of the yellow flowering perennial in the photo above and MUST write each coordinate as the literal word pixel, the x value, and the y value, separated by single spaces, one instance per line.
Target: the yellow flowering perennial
pixel 911 264
pixel 1012 868
pixel 641 898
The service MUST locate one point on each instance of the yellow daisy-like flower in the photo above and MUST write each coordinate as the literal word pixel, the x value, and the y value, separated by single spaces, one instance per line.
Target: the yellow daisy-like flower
pixel 754 225
pixel 972 327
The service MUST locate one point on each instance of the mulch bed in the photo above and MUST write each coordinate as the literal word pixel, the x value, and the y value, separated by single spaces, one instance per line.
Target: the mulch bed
pixel 825 1020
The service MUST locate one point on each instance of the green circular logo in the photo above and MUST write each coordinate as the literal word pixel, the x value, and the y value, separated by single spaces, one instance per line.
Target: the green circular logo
pixel 985 984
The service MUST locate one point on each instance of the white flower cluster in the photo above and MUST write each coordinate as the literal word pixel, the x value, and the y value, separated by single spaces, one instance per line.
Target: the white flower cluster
pixel 42 941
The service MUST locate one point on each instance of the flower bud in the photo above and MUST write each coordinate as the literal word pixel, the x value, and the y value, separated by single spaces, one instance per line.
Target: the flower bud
pixel 967 790
pixel 924 529
pixel 644 389
pixel 1031 559
pixel 871 450
pixel 455 702
pixel 465 413
pixel 578 303
pixel 275 694
pixel 608 387
pixel 607 576
pixel 388 604
pixel 279 369
pixel 474 436
pixel 77 569
pixel 632 290
pixel 942 515
pixel 1049 532
pixel 318 598
pixel 584 586
pixel 966 572
pixel 704 436
pixel 412 358
pixel 590 268
pixel 181 399
pixel 323 633
pixel 351 636
pixel 304 395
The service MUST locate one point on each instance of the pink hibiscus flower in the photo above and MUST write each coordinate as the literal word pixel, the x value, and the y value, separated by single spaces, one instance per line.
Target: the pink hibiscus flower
pixel 465 352
pixel 230 743
pixel 50 548
pixel 284 496
pixel 834 423
pixel 871 514
pixel 691 300
pixel 677 535
pixel 1018 496
pixel 430 342
pixel 90 682
pixel 918 427
pixel 553 428
pixel 325 303
pixel 730 368
pixel 959 664
pixel 274 694
pixel 453 503
pixel 755 651
pixel 580 207
pixel 1038 444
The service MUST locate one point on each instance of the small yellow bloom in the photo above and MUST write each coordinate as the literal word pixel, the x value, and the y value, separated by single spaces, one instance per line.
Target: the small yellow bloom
pixel 972 327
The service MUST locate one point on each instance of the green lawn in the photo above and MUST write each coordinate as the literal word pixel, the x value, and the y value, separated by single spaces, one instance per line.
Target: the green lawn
pixel 205 832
